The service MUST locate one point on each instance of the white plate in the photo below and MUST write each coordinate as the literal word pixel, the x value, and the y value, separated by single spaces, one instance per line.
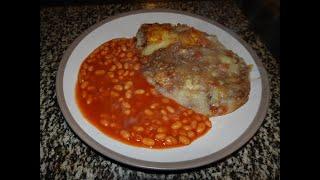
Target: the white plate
pixel 228 132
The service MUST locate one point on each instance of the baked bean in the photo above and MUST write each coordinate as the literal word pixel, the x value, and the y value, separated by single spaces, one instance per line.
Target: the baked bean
pixel 154 105
pixel 89 100
pixel 189 111
pixel 148 141
pixel 125 134
pixel 127 111
pixel 120 72
pixel 165 118
pixel 160 136
pixel 194 124
pixel 135 58
pixel 126 105
pixel 126 66
pixel 164 112
pixel 176 125
pixel 136 67
pixel 174 133
pixel 113 125
pixel 106 48
pixel 101 89
pixel 128 94
pixel 84 84
pixel 84 94
pixel 175 118
pixel 83 72
pixel 200 128
pixel 126 73
pixel 128 85
pixel 119 65
pixel 208 123
pixel 103 115
pixel 113 67
pixel 184 140
pixel 110 74
pixel 103 53
pixel 114 80
pixel 191 134
pixel 129 54
pixel 90 68
pixel 138 128
pixel 185 121
pixel 113 59
pixel 182 132
pixel 124 48
pixel 130 43
pixel 118 87
pixel 139 91
pixel 169 140
pixel 148 112
pixel 187 128
pixel 108 56
pixel 105 122
pixel 198 118
pixel 150 128
pixel 138 138
pixel 131 73
pixel 170 109
pixel 114 94
pixel 122 54
pixel 91 88
pixel 100 72
pixel 85 66
pixel 161 130
pixel 118 52
pixel 120 77
pixel 112 43
pixel 185 114
pixel 106 62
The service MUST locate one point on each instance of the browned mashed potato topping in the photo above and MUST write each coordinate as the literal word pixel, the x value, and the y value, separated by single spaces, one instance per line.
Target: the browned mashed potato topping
pixel 193 68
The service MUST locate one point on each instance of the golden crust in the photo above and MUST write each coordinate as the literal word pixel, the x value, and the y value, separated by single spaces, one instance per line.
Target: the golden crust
pixel 152 37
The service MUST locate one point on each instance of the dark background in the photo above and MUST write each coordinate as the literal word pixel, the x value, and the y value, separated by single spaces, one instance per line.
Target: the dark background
pixel 264 16
pixel 64 156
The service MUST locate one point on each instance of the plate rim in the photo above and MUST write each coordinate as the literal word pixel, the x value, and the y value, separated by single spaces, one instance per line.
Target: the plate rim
pixel 181 165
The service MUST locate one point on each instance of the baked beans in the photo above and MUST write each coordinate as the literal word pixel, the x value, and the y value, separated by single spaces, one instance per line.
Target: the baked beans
pixel 113 95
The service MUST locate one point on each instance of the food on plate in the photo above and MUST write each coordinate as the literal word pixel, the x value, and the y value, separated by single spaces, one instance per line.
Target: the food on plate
pixel 115 97
pixel 158 89
pixel 193 68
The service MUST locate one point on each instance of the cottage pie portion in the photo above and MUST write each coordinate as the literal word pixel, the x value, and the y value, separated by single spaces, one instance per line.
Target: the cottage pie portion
pixel 193 68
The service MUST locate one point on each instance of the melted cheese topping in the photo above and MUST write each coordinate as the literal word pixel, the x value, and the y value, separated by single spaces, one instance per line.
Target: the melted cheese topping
pixel 155 44
pixel 209 81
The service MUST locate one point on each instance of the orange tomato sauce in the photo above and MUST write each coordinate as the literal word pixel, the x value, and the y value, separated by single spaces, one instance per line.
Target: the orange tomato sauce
pixel 114 96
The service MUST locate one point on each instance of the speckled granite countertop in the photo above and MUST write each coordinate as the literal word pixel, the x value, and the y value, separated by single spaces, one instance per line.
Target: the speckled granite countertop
pixel 64 156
